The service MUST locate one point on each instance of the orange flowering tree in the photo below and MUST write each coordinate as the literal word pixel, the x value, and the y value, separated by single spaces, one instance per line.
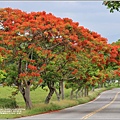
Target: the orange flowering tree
pixel 40 49
pixel 15 38
pixel 91 60
pixel 95 47
pixel 33 40
pixel 116 60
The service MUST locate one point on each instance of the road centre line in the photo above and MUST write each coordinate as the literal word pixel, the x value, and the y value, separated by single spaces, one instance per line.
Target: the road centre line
pixel 94 112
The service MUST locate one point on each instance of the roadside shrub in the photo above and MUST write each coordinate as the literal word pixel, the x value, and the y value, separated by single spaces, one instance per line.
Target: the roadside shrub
pixel 8 103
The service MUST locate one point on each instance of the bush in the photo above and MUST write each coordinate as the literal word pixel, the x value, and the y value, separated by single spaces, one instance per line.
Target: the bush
pixel 7 103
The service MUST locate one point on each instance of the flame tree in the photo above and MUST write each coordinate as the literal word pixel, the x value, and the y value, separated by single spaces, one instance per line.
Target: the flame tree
pixel 40 49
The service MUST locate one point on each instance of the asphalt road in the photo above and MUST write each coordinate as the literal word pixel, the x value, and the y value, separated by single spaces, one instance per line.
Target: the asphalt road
pixel 105 107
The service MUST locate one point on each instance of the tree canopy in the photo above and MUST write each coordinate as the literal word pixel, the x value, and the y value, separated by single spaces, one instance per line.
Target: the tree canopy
pixel 42 50
pixel 112 5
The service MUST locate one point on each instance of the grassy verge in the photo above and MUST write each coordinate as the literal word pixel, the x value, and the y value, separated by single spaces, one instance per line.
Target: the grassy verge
pixel 39 107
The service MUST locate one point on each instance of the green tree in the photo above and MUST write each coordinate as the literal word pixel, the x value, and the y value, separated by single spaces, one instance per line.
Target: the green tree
pixel 112 5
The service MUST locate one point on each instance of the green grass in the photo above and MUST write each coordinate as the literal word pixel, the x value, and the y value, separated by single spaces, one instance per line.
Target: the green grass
pixel 38 96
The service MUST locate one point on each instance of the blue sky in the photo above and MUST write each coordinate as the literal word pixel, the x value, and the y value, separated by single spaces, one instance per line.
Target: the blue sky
pixel 90 14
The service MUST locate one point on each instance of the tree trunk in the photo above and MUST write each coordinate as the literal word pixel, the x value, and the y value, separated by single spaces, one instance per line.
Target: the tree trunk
pixel 59 89
pixel 24 88
pixel 77 92
pixel 71 94
pixel 104 84
pixel 86 91
pixel 26 95
pixel 93 88
pixel 51 91
pixel 62 89
pixel 82 92
pixel 118 83
pixel 98 85
pixel 57 94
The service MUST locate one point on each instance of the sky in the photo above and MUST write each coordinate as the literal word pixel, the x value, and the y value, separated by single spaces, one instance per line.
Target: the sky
pixel 90 14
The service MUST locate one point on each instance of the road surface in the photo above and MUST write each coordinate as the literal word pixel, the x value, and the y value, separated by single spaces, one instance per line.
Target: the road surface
pixel 105 107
